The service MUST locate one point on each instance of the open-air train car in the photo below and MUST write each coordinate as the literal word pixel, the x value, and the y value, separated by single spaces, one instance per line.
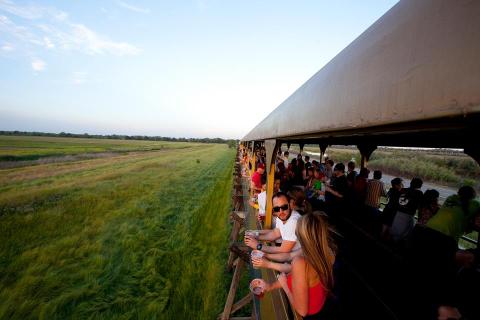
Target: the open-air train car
pixel 411 79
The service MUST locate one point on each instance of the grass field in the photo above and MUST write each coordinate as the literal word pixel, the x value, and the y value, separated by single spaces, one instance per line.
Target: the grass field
pixel 21 148
pixel 138 234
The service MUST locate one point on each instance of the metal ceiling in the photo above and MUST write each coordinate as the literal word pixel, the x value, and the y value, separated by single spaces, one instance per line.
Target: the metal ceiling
pixel 412 78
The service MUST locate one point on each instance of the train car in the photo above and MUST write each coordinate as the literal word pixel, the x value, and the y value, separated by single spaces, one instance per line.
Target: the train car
pixel 412 79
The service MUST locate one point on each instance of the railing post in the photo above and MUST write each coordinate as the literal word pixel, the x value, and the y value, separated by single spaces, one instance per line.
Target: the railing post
pixel 271 148
pixel 323 148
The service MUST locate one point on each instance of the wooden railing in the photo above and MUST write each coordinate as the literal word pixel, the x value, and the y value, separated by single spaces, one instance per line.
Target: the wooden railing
pixel 274 305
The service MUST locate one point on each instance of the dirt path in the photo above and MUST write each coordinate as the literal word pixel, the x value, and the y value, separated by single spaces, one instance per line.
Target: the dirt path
pixel 58 159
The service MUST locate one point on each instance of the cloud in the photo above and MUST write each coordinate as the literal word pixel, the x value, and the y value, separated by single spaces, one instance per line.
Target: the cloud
pixel 48 43
pixel 7 47
pixel 92 43
pixel 38 65
pixel 20 33
pixel 133 8
pixel 26 12
pixel 49 29
pixel 31 11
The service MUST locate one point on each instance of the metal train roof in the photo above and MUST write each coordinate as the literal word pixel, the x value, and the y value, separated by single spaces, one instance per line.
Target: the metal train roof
pixel 415 70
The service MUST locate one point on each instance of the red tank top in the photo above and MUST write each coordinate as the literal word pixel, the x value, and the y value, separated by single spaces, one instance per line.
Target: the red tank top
pixel 316 296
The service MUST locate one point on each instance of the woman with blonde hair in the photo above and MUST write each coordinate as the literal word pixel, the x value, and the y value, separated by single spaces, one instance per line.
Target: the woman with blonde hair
pixel 311 278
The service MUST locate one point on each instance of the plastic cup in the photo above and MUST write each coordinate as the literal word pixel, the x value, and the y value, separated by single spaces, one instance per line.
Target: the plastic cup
pixel 256 254
pixel 257 287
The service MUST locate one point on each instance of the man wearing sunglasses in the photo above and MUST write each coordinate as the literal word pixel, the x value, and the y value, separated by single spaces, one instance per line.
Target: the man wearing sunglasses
pixel 285 225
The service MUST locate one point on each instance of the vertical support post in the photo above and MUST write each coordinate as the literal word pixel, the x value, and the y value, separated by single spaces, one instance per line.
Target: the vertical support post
pixel 288 146
pixel 366 151
pixel 323 148
pixel 474 152
pixel 271 148
pixel 301 147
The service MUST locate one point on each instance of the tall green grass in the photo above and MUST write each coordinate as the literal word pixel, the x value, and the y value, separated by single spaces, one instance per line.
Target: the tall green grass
pixel 143 237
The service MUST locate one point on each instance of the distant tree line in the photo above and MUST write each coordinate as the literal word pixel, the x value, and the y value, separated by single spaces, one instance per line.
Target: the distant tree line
pixel 230 142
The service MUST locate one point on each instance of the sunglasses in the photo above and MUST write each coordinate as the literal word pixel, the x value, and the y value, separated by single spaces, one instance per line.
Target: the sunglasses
pixel 277 209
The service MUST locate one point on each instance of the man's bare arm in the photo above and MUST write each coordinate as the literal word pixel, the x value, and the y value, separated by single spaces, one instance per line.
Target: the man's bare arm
pixel 286 246
pixel 265 263
pixel 283 256
pixel 270 236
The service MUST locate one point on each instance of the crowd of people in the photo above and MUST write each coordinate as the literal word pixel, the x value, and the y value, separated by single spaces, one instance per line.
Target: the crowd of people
pixel 309 196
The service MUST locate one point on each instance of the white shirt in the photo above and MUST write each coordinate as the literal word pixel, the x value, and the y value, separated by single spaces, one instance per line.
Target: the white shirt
pixel 262 202
pixel 287 229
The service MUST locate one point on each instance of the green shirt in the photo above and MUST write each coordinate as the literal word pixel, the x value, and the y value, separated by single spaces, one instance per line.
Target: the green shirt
pixel 450 219
pixel 317 184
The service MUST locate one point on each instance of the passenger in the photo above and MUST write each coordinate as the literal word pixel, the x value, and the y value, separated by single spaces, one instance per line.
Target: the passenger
pixel 329 168
pixel 285 158
pixel 298 201
pixel 408 204
pixel 299 174
pixel 276 184
pixel 295 174
pixel 448 313
pixel 283 172
pixel 375 190
pixel 311 278
pixel 391 208
pixel 256 183
pixel 307 162
pixel 453 217
pixel 335 193
pixel 309 179
pixel 292 166
pixel 435 245
pixel 371 207
pixel 317 199
pixel 285 224
pixel 429 206
pixel 262 200
pixel 278 157
pixel 351 174
pixel 360 187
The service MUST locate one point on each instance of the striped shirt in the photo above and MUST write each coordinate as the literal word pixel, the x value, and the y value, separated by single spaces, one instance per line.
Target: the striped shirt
pixel 375 190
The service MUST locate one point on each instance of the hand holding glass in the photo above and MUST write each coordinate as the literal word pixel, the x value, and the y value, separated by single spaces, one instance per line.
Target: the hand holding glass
pixel 257 287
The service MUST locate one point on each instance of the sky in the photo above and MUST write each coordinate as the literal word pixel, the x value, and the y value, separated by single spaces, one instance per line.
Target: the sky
pixel 166 68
